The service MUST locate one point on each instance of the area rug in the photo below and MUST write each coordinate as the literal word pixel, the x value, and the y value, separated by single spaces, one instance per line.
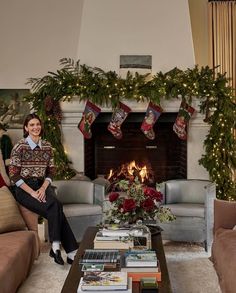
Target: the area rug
pixel 189 268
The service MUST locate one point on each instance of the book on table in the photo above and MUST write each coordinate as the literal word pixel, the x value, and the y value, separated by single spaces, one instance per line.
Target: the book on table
pixel 128 290
pixel 109 242
pixel 100 256
pixel 138 272
pixel 104 281
pixel 115 232
pixel 141 258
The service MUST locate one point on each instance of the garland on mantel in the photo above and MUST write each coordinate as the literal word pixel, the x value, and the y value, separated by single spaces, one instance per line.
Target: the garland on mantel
pixel 108 89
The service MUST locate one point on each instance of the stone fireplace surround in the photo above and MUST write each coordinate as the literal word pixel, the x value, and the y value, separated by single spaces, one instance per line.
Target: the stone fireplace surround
pixel 73 139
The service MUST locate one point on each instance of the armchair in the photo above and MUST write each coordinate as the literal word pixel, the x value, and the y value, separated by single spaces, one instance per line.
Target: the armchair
pixel 191 201
pixel 82 202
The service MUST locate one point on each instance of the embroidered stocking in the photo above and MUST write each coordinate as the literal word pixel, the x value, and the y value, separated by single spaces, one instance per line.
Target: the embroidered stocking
pixel 184 115
pixel 152 114
pixel 118 117
pixel 90 113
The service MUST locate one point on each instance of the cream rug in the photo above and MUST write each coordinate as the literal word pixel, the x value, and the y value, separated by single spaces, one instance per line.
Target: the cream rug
pixel 189 267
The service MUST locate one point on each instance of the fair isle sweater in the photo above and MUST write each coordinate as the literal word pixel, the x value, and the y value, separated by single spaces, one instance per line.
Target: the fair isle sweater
pixel 27 163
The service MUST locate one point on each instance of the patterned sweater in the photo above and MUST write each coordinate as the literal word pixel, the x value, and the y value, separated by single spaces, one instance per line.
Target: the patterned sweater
pixel 27 163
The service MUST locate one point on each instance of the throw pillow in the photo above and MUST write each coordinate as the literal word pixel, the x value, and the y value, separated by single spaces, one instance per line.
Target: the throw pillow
pixel 10 217
pixel 234 228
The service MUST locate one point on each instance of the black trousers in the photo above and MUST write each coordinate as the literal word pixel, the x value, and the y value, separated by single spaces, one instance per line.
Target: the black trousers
pixel 58 226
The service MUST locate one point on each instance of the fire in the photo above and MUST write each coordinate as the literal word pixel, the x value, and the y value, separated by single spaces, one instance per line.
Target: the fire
pixel 130 170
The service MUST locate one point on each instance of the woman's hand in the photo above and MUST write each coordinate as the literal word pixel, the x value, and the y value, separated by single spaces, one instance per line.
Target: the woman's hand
pixel 41 194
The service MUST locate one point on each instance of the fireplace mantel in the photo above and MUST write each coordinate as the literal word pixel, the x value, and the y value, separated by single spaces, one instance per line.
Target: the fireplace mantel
pixel 73 139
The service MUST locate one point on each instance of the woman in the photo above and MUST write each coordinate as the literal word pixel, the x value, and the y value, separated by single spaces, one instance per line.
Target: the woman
pixel 31 171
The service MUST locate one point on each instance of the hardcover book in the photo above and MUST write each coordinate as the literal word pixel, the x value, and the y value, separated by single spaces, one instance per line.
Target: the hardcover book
pixel 144 258
pixel 128 290
pixel 100 256
pixel 104 281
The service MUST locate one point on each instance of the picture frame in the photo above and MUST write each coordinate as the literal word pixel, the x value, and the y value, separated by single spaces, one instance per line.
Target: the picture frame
pixel 13 108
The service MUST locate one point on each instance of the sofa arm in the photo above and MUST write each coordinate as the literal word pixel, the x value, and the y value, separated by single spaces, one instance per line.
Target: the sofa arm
pixel 224 214
pixel 210 196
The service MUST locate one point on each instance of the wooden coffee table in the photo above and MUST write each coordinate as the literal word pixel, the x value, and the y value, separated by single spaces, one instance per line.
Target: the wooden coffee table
pixel 74 275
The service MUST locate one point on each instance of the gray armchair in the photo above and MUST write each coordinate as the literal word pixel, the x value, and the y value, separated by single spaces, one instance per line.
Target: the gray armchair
pixel 82 204
pixel 191 201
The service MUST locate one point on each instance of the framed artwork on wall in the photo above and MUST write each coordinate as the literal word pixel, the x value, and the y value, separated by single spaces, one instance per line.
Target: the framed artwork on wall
pixel 13 109
pixel 141 64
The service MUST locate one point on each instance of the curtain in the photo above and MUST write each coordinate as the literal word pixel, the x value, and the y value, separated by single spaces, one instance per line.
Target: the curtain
pixel 222 36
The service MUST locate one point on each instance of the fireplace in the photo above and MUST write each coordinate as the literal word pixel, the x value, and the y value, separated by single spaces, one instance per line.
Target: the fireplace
pixel 165 156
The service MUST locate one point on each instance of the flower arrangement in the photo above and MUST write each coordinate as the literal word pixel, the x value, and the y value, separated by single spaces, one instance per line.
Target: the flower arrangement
pixel 138 202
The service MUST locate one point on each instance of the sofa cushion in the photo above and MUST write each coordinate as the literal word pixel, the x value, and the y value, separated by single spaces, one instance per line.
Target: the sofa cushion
pixel 187 209
pixel 17 253
pixel 224 258
pixel 73 210
pixel 10 217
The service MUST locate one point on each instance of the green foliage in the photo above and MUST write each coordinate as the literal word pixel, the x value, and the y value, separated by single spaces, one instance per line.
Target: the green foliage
pixel 107 89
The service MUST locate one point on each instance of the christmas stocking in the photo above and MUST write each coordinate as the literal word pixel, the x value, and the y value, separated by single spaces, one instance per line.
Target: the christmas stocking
pixel 90 113
pixel 152 114
pixel 184 115
pixel 118 117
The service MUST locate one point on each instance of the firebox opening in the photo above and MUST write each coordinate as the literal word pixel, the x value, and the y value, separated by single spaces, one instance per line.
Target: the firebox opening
pixel 165 157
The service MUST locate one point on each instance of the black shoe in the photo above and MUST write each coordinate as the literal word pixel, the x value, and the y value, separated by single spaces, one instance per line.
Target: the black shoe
pixel 57 256
pixel 69 260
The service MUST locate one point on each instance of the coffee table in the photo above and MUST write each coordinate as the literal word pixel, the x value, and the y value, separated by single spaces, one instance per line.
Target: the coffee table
pixel 75 273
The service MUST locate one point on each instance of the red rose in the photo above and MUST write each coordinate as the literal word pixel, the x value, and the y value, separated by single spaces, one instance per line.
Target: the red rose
pixel 113 196
pixel 148 204
pixel 153 193
pixel 129 205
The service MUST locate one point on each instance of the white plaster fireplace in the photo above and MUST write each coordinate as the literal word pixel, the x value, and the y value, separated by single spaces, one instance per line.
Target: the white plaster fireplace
pixel 73 139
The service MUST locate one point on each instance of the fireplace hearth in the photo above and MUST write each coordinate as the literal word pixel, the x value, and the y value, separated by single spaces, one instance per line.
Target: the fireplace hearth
pixel 165 156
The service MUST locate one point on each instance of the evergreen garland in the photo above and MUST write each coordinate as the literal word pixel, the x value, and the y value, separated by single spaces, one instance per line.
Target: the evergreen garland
pixel 107 89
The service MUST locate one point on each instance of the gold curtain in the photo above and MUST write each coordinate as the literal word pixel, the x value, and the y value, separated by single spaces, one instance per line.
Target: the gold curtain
pixel 222 36
pixel 222 39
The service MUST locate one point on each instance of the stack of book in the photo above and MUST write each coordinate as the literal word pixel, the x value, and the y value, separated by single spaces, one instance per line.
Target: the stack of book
pixel 141 263
pixel 109 257
pixel 109 282
pixel 108 238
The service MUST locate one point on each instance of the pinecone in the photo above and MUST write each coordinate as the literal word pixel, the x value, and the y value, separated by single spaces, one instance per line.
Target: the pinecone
pixel 57 113
pixel 48 103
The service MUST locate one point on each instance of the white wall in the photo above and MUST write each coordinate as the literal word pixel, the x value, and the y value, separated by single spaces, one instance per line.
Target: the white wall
pixel 34 36
pixel 160 28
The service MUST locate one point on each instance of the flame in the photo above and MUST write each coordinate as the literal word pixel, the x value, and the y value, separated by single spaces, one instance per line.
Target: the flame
pixel 143 173
pixel 110 174
pixel 131 169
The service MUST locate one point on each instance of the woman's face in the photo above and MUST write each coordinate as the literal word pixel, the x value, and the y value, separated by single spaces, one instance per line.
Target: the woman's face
pixel 34 127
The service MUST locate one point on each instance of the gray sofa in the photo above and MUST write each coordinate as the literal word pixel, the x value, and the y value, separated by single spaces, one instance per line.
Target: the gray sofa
pixel 191 201
pixel 82 204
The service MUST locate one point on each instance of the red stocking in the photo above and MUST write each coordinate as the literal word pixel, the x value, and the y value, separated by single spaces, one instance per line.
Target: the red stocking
pixel 118 117
pixel 90 113
pixel 152 114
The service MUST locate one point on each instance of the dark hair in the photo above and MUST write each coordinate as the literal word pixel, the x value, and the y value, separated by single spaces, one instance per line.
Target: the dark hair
pixel 27 120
